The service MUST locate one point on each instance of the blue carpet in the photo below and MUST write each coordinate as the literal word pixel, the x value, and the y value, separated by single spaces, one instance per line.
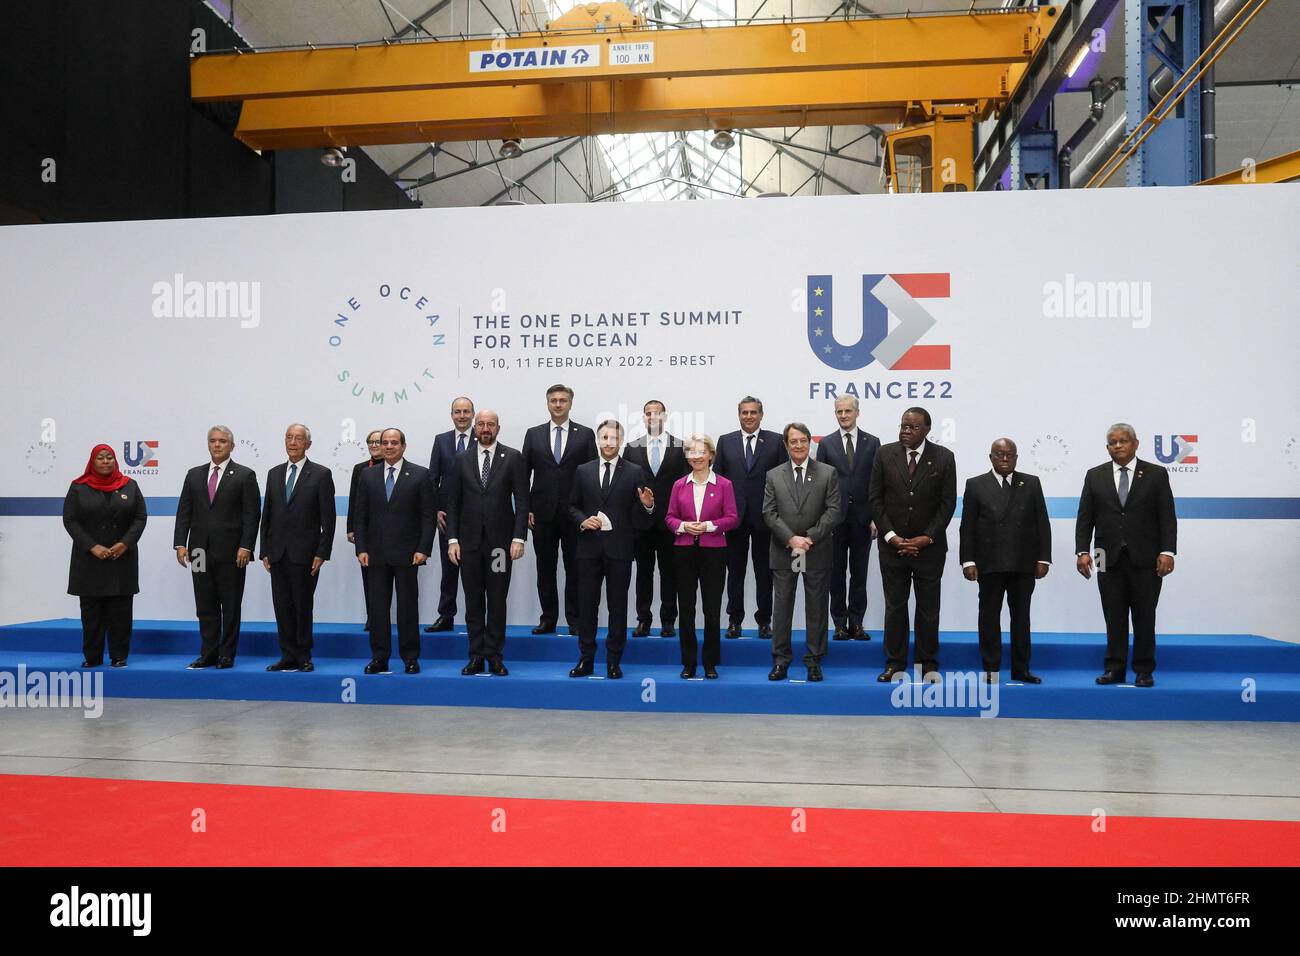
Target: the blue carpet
pixel 1200 677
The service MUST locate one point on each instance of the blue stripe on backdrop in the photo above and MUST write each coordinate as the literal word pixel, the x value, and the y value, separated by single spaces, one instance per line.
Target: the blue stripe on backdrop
pixel 1207 508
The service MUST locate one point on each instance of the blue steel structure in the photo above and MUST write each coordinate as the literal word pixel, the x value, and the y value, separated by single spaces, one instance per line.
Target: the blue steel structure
pixel 1162 33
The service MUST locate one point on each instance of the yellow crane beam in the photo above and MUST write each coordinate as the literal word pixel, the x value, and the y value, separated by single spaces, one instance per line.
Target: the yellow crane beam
pixel 1279 169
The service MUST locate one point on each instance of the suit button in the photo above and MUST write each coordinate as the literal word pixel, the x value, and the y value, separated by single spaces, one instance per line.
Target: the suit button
pixel 910 493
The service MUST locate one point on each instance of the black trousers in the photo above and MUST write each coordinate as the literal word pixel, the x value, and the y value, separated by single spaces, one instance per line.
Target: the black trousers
pixel 384 580
pixel 549 537
pixel 485 573
pixel 218 598
pixel 450 581
pixel 901 577
pixel 1019 589
pixel 365 593
pixel 851 549
pixel 1128 589
pixel 707 569
pixel 656 546
pixel 106 616
pixel 616 575
pixel 752 543
pixel 293 594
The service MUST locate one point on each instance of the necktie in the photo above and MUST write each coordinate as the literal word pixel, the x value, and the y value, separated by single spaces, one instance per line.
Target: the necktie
pixel 749 452
pixel 654 457
pixel 212 483
pixel 288 485
pixel 604 482
pixel 460 444
pixel 388 483
pixel 798 476
pixel 483 475
pixel 1006 487
pixel 1123 485
pixel 558 452
pixel 911 465
pixel 848 450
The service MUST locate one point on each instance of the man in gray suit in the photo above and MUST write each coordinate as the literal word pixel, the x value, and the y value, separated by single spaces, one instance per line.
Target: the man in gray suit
pixel 801 505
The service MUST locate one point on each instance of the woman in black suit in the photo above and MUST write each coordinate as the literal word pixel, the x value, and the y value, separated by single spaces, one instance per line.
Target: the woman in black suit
pixel 372 445
pixel 105 515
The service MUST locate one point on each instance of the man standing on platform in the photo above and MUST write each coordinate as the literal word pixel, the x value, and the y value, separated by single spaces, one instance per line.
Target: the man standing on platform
pixel 744 458
pixel 1006 545
pixel 298 522
pixel 913 497
pixel 852 451
pixel 394 529
pixel 487 525
pixel 661 455
pixel 216 529
pixel 446 447
pixel 552 453
pixel 1128 505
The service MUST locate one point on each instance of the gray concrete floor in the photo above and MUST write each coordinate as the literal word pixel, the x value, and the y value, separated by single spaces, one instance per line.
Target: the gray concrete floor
pixel 1166 768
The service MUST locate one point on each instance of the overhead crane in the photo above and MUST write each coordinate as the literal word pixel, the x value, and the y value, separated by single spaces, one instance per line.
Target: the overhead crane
pixel 601 69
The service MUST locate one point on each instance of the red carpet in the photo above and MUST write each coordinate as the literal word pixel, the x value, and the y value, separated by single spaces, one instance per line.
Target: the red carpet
pixel 76 821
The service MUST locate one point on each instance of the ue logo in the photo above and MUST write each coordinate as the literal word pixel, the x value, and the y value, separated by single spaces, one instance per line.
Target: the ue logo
pixel 1182 450
pixel 882 295
pixel 143 450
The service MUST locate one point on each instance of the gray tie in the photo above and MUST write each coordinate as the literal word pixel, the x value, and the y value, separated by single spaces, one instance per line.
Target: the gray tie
pixel 1123 485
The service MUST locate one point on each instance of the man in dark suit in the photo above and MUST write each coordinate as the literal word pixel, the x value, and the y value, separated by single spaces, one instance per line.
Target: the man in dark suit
pixel 913 496
pixel 852 451
pixel 802 508
pixel 298 522
pixel 394 530
pixel 1006 545
pixel 610 502
pixel 216 529
pixel 1129 508
pixel 663 459
pixel 487 525
pixel 552 453
pixel 744 458
pixel 446 447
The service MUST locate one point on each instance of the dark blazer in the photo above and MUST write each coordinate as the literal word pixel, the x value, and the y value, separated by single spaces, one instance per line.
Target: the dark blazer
pixel 921 505
pixel 1002 534
pixel 1146 525
pixel 671 467
pixel 815 511
pixel 303 528
pixel 620 504
pixel 440 464
pixel 104 517
pixel 769 451
pixel 490 517
pixel 229 522
pixel 393 531
pixel 357 471
pixel 855 483
pixel 553 482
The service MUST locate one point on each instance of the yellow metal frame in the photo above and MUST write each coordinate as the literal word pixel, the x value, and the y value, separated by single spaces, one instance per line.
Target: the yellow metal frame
pixel 1279 169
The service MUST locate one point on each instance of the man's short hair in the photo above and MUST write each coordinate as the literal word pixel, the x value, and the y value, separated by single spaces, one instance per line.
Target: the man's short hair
pixel 654 401
pixel 302 426
pixel 850 398
pixel 613 423
pixel 224 430
pixel 559 388
pixel 463 398
pixel 795 427
pixel 749 400
pixel 401 434
pixel 1124 427
pixel 918 410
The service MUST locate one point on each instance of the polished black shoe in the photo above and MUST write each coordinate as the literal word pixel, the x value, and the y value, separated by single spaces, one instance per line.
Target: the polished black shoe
pixel 887 675
pixel 1028 677
pixel 583 668
pixel 282 665
pixel 668 631
pixel 476 665
pixel 306 667
pixel 225 663
pixel 1111 677
pixel 412 667
pixel 710 672
pixel 814 673
pixel 765 631
pixel 642 629
pixel 859 633
pixel 1144 680
pixel 544 628
pixel 120 662
pixel 377 667
pixel 613 672
pixel 497 668
pixel 687 673
pixel 778 672
pixel 733 630
pixel 198 664
pixel 442 624
pixel 841 633
pixel 89 664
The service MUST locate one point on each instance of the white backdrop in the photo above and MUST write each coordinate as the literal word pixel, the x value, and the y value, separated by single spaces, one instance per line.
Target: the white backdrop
pixel 1172 309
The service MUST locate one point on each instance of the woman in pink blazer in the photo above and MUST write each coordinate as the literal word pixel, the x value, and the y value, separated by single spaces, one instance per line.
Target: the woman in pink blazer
pixel 700 512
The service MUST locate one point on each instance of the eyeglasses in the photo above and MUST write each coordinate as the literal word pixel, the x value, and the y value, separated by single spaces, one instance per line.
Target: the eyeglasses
pixel 375 442
pixel 1002 454
pixel 905 427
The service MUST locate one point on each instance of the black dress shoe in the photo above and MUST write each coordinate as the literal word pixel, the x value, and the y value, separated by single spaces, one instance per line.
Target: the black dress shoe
pixel 198 664
pixel 814 673
pixel 733 630
pixel 377 667
pixel 1144 680
pixel 120 662
pixel 687 673
pixel 642 629
pixel 765 631
pixel 841 633
pixel 282 665
pixel 544 628
pixel 442 624
pixel 90 664
pixel 476 665
pixel 887 675
pixel 1111 677
pixel 613 672
pixel 859 633
pixel 583 668
pixel 668 631
pixel 497 668
pixel 412 667
pixel 306 667
pixel 225 663
pixel 1028 677
pixel 777 672
pixel 710 672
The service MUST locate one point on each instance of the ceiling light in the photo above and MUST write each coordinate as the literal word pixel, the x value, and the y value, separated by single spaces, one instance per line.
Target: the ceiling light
pixel 723 139
pixel 510 149
pixel 333 156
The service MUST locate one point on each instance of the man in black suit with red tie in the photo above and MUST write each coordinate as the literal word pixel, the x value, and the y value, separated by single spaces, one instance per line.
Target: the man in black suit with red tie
pixel 611 500
pixel 394 530
pixel 446 446
pixel 744 458
pixel 298 523
pixel 552 453
pixel 913 496
pixel 1006 545
pixel 852 451
pixel 1127 507
pixel 216 529
pixel 487 525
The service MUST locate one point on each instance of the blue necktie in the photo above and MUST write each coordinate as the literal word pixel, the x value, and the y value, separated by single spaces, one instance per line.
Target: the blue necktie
pixel 388 485
pixel 654 457
pixel 288 487
pixel 557 444
pixel 749 453
pixel 460 444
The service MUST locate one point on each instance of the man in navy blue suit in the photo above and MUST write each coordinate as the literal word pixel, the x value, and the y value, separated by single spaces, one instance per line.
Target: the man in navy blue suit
pixel 852 451
pixel 744 458
pixel 446 447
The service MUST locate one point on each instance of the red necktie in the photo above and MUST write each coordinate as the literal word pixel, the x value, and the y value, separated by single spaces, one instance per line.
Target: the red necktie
pixel 911 465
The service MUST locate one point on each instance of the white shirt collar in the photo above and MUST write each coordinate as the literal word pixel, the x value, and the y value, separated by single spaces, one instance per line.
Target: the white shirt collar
pixel 490 449
pixel 712 479
pixel 301 464
pixel 221 467
pixel 804 464
pixel 1131 466
pixel 399 465
pixel 920 452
